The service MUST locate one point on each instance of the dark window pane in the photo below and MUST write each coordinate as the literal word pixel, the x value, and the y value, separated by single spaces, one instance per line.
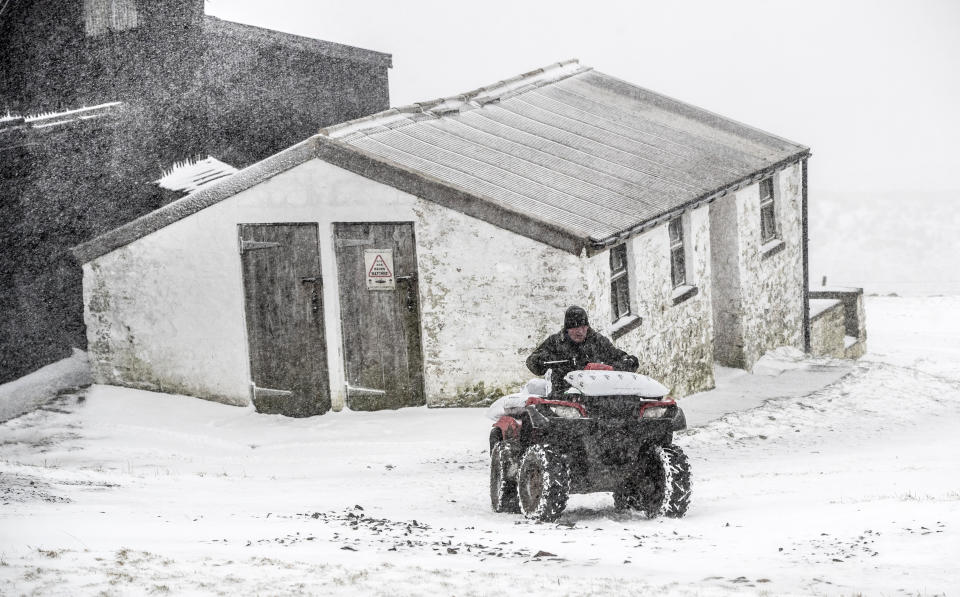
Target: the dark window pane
pixel 618 258
pixel 766 189
pixel 768 223
pixel 678 271
pixel 676 231
pixel 621 298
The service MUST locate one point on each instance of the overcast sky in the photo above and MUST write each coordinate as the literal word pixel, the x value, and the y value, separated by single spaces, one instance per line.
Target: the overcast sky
pixel 872 87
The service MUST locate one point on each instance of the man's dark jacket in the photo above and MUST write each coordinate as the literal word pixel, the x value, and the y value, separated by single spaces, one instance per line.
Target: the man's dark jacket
pixel 594 349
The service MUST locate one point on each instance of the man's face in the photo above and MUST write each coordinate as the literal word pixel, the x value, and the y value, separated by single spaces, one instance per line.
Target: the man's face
pixel 578 334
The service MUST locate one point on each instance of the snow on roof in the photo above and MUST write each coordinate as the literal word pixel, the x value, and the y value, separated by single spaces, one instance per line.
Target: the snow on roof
pixel 820 306
pixel 191 174
pixel 48 119
pixel 43 120
pixel 574 148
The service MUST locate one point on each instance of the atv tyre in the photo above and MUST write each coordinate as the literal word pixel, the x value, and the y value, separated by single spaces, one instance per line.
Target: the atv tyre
pixel 661 487
pixel 543 484
pixel 503 479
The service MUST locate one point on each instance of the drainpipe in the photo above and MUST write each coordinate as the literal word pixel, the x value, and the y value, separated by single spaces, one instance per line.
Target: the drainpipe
pixel 806 264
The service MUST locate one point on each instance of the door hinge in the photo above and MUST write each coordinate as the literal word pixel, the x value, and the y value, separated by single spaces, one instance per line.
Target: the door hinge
pixel 256 245
pixel 259 392
pixel 359 390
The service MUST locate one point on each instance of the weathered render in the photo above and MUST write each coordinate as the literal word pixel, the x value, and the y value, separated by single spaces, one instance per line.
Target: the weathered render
pixel 758 302
pixel 158 319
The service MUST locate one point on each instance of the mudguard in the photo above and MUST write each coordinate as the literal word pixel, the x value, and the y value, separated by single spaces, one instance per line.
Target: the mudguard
pixel 679 420
pixel 537 419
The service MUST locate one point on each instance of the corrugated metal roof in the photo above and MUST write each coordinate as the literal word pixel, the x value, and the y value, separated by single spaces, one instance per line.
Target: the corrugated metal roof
pixel 572 147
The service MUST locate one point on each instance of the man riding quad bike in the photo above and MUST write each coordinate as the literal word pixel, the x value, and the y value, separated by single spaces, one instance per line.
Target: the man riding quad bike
pixel 609 430
pixel 573 347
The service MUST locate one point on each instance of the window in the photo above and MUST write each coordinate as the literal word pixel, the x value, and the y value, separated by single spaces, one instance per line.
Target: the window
pixel 768 215
pixel 101 16
pixel 619 282
pixel 678 266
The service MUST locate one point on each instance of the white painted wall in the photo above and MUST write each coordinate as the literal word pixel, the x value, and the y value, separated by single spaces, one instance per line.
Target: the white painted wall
pixel 166 311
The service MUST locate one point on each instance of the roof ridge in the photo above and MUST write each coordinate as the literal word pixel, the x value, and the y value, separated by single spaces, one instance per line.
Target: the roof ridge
pixel 475 98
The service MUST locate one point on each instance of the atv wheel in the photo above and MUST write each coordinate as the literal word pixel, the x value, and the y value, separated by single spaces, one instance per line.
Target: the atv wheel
pixel 663 485
pixel 503 479
pixel 543 484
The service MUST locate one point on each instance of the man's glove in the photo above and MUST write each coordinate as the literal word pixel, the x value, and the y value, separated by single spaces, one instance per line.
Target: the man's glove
pixel 627 363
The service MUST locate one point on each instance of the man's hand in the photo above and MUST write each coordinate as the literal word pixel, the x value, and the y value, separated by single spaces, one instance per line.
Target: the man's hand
pixel 628 363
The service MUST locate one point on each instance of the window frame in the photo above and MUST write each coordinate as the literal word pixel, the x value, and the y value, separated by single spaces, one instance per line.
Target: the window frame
pixel 769 228
pixel 677 244
pixel 619 283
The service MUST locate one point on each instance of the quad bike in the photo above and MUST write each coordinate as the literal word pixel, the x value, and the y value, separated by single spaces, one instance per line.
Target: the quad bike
pixel 611 431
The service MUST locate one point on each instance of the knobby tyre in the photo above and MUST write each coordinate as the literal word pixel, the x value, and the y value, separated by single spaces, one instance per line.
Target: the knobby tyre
pixel 503 479
pixel 543 485
pixel 669 483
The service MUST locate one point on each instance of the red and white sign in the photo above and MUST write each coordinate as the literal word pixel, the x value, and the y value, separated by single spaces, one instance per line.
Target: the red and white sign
pixel 378 263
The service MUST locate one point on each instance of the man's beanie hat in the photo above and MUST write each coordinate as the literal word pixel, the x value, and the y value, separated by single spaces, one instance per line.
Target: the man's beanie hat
pixel 574 318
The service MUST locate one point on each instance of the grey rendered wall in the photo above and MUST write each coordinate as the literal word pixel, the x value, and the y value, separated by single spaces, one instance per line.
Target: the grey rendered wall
pixel 727 304
pixel 772 275
pixel 674 340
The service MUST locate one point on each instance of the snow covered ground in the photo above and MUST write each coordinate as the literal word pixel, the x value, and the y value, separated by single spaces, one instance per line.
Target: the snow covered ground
pixel 821 478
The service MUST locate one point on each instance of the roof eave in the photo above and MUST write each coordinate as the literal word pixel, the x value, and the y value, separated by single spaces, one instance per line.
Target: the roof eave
pixel 450 196
pixel 599 245
pixel 328 48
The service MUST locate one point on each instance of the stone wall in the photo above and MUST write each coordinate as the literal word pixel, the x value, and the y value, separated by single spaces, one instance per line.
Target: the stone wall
pixel 853 325
pixel 826 328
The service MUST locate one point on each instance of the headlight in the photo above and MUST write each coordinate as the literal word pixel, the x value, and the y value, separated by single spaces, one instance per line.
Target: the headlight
pixel 567 412
pixel 654 412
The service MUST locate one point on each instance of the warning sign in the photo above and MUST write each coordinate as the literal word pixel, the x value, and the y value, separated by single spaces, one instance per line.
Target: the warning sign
pixel 378 263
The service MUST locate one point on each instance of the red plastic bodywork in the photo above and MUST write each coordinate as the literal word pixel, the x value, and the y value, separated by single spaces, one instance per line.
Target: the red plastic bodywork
pixel 597 367
pixel 508 426
pixel 538 400
pixel 668 401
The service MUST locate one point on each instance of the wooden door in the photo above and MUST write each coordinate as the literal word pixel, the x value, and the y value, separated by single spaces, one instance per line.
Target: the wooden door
pixel 283 296
pixel 380 312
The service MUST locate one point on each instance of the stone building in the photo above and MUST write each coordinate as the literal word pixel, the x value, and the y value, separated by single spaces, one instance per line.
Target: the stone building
pixel 419 254
pixel 99 98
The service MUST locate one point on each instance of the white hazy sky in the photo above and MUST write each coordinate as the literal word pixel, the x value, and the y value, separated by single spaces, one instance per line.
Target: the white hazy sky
pixel 872 87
